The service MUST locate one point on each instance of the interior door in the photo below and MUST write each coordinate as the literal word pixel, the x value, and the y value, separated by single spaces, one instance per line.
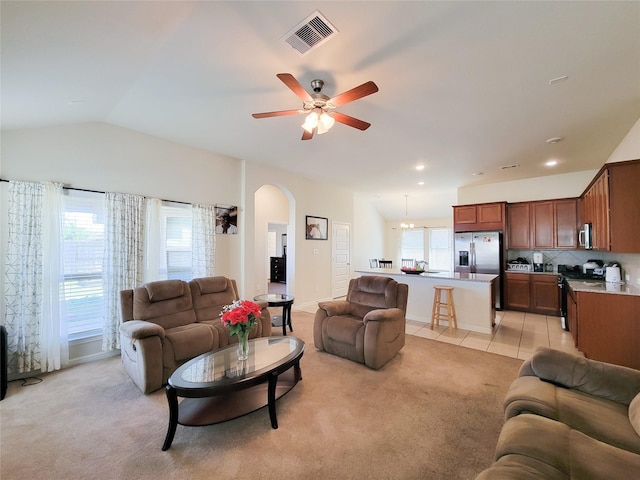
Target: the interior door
pixel 341 258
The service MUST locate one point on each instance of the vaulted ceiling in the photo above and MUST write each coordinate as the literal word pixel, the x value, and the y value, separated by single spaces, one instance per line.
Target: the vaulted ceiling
pixel 464 87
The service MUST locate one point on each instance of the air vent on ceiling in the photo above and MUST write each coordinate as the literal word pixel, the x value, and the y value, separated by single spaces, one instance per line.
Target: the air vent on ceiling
pixel 311 33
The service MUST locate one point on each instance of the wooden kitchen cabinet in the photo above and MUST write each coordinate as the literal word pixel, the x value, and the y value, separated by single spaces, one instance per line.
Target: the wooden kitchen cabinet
pixel 478 217
pixel 606 326
pixel 519 226
pixel 543 225
pixel 518 291
pixel 535 293
pixel 545 294
pixel 611 203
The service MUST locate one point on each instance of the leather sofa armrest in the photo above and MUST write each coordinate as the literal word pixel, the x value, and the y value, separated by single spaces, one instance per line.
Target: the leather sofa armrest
pixel 335 307
pixel 137 329
pixel 383 315
pixel 604 380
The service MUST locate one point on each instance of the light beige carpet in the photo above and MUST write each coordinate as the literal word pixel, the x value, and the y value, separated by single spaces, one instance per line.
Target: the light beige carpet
pixel 434 412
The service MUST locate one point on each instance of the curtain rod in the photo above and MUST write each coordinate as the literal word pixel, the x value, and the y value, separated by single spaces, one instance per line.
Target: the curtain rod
pixel 98 191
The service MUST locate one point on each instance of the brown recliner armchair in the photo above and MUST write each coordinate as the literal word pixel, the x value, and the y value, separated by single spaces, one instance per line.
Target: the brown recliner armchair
pixel 369 326
pixel 168 322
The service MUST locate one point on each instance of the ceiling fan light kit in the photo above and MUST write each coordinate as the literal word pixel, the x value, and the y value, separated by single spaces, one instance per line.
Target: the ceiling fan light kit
pixel 319 107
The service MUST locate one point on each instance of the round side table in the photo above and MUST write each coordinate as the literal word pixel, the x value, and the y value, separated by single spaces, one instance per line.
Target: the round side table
pixel 279 300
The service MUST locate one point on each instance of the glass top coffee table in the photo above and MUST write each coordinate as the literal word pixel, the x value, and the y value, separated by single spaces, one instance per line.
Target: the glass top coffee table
pixel 279 300
pixel 216 386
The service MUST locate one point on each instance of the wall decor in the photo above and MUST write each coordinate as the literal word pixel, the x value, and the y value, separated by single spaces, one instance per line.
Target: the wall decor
pixel 227 219
pixel 316 228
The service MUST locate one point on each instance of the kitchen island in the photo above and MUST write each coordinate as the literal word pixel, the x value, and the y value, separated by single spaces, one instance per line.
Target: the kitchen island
pixel 473 296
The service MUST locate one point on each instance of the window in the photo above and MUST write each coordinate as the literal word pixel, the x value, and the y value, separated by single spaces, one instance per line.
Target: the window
pixel 440 251
pixel 83 248
pixel 176 223
pixel 412 244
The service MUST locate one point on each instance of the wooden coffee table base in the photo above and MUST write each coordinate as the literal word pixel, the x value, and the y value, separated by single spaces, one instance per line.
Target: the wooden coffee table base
pixel 201 411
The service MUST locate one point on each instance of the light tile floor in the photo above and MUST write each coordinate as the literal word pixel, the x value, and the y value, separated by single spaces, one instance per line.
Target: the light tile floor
pixel 516 334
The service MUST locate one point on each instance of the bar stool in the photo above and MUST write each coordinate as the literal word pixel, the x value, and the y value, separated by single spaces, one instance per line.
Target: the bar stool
pixel 439 304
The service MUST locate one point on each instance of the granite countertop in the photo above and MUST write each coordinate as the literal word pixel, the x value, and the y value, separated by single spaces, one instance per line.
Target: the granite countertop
pixel 531 272
pixel 600 286
pixel 470 277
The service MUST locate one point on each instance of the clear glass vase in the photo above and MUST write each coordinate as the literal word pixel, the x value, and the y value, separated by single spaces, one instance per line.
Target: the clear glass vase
pixel 243 345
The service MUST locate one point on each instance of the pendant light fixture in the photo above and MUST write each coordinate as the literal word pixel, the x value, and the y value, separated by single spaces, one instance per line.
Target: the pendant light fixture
pixel 406 225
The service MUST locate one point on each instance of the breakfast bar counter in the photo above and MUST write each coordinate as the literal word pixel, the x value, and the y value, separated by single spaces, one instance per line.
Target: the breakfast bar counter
pixel 473 295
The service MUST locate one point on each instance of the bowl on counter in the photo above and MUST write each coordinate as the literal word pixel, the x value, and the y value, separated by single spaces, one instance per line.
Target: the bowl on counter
pixel 411 271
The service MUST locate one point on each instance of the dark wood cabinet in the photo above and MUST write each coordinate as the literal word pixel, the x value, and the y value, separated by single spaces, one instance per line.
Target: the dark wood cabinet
pixel 517 291
pixel 279 269
pixel 544 225
pixel 565 217
pixel 545 294
pixel 519 226
pixel 606 327
pixel 536 293
pixel 478 217
pixel 611 203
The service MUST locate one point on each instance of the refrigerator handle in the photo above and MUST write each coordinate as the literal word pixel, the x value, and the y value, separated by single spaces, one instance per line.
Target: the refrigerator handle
pixel 472 256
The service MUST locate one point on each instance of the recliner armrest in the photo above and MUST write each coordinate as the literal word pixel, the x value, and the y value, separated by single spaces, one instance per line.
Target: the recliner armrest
pixel 138 329
pixel 605 380
pixel 335 307
pixel 383 315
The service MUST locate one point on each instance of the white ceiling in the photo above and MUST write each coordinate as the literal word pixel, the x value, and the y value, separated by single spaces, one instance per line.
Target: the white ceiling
pixel 464 86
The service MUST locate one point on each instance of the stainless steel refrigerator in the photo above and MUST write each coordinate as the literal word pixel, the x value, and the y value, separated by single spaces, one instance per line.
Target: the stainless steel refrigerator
pixel 481 252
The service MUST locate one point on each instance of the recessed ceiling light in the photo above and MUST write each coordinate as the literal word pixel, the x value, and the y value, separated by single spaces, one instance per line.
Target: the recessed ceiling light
pixel 420 167
pixel 421 183
pixel 558 79
pixel 506 167
pixel 554 139
pixel 475 174
pixel 77 102
pixel 551 163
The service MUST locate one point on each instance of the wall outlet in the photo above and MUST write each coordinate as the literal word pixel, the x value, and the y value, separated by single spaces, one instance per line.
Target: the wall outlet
pixel 315 251
pixel 627 277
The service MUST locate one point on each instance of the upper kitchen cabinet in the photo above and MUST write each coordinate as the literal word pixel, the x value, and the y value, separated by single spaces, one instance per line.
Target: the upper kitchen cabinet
pixel 519 226
pixel 611 203
pixel 550 224
pixel 478 217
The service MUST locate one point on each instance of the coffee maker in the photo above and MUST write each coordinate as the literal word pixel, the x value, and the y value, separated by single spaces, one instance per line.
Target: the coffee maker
pixel 538 262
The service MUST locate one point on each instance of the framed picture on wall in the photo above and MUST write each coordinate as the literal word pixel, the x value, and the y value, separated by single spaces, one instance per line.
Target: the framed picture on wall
pixel 226 219
pixel 317 228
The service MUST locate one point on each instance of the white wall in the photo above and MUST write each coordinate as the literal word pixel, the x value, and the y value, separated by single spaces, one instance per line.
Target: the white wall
pixel 629 147
pixel 367 234
pixel 308 274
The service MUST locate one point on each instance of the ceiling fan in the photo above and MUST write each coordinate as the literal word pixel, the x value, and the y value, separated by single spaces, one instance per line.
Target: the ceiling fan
pixel 319 107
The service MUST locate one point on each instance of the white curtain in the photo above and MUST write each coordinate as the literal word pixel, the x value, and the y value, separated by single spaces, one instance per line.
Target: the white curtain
pixel 203 240
pixel 37 333
pixel 123 258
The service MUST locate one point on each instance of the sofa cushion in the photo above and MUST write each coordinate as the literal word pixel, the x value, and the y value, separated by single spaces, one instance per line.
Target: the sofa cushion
pixel 171 305
pixel 371 292
pixel 209 295
pixel 189 341
pixel 605 380
pixel 573 453
pixel 600 418
pixel 165 290
pixel 634 413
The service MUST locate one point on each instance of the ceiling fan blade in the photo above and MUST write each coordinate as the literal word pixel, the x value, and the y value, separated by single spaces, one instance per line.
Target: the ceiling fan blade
pixel 306 135
pixel 280 113
pixel 295 86
pixel 354 94
pixel 352 122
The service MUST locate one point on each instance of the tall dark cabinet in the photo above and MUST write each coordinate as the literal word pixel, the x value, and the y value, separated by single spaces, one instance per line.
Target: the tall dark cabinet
pixel 279 269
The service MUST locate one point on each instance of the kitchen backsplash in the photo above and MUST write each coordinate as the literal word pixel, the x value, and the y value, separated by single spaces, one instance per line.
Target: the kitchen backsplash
pixel 629 262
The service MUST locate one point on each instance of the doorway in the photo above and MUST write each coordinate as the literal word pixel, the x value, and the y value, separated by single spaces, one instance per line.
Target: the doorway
pixel 277 254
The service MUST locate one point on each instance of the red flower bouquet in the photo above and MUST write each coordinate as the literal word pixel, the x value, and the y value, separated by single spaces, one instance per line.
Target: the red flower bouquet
pixel 240 317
